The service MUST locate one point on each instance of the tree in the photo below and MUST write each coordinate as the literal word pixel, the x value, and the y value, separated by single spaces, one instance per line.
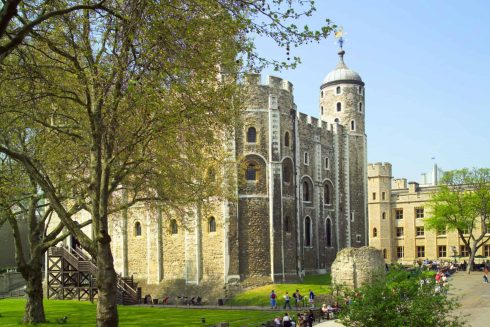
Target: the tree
pixel 134 103
pixel 403 299
pixel 462 204
pixel 22 203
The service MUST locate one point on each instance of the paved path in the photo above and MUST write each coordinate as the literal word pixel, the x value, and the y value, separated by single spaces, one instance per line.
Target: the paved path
pixel 474 297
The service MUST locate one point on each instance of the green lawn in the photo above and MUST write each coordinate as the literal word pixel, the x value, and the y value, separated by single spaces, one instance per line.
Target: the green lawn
pixel 319 284
pixel 83 314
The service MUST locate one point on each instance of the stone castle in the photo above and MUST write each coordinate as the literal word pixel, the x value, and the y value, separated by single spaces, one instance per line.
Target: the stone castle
pixel 301 195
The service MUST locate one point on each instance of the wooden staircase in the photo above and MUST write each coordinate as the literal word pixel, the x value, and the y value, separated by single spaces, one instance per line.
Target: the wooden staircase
pixel 72 276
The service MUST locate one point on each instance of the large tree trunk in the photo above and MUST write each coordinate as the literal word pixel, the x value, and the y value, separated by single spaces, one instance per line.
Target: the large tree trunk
pixel 34 310
pixel 472 259
pixel 107 284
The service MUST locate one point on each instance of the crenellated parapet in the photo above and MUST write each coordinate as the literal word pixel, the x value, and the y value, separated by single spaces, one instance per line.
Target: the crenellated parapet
pixel 379 169
pixel 271 81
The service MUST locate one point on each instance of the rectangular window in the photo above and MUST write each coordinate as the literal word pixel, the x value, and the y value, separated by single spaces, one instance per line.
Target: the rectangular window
pixel 383 195
pixel 352 216
pixel 420 251
pixel 419 212
pixel 486 250
pixel 385 254
pixel 358 238
pixel 464 251
pixel 399 252
pixel 399 213
pixel 441 232
pixel 399 231
pixel 374 195
pixel 441 251
pixel 327 163
pixel 419 231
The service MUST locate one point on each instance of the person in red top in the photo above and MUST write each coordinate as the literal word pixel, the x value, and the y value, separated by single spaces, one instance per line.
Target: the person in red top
pixel 438 277
pixel 485 274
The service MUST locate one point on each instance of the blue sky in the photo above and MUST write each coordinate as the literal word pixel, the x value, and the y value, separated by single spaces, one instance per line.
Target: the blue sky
pixel 426 65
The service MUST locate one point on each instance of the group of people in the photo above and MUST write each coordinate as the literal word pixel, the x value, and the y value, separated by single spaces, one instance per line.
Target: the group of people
pixel 297 298
pixel 303 320
pixel 329 310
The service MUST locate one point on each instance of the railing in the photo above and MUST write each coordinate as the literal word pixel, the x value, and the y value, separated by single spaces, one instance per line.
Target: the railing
pixel 82 262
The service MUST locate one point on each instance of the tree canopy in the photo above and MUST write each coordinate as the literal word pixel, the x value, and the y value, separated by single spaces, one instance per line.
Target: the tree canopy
pixel 125 101
pixel 462 204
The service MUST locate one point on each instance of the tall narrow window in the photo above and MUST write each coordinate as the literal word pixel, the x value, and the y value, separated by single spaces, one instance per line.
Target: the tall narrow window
pixel 286 173
pixel 212 225
pixel 360 89
pixel 328 232
pixel 306 191
pixel 352 125
pixel 360 106
pixel 383 215
pixel 307 231
pixel 137 229
pixel 321 109
pixel 287 224
pixel 307 159
pixel 338 90
pixel 286 139
pixel 383 195
pixel 327 163
pixel 251 173
pixel 339 106
pixel 251 135
pixel 321 94
pixel 326 194
pixel 375 232
pixel 173 227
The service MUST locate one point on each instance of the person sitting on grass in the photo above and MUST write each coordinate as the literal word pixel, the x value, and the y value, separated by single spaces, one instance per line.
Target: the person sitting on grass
pixel 286 320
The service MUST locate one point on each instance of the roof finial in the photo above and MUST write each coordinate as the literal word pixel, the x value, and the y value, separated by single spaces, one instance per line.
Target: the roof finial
pixel 339 35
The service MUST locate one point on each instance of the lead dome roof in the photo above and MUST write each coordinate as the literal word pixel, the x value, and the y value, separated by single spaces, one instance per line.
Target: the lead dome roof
pixel 341 72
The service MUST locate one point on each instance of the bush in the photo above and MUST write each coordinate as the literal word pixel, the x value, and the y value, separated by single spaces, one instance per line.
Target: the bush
pixel 405 298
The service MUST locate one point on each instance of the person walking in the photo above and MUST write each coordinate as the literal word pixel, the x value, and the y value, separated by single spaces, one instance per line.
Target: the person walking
pixel 485 274
pixel 273 300
pixel 297 299
pixel 287 300
pixel 312 299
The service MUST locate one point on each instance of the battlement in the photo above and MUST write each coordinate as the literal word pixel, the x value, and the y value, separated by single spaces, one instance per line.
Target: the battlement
pixel 379 169
pixel 272 82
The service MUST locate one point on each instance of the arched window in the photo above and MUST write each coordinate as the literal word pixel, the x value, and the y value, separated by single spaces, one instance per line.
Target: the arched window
pixel 360 106
pixel 306 191
pixel 173 227
pixel 328 232
pixel 212 225
pixel 307 231
pixel 339 106
pixel 327 194
pixel 137 228
pixel 287 224
pixel 286 139
pixel 383 215
pixel 251 135
pixel 375 232
pixel 338 90
pixel 251 173
pixel 352 125
pixel 360 89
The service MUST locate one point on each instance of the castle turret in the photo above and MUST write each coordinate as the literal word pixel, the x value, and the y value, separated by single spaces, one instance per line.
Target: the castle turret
pixel 342 104
pixel 380 213
pixel 342 98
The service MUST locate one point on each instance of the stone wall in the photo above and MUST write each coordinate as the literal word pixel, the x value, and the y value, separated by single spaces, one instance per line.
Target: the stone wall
pixel 355 267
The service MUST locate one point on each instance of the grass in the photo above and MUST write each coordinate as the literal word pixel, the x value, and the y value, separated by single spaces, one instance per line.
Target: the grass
pixel 83 314
pixel 259 296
